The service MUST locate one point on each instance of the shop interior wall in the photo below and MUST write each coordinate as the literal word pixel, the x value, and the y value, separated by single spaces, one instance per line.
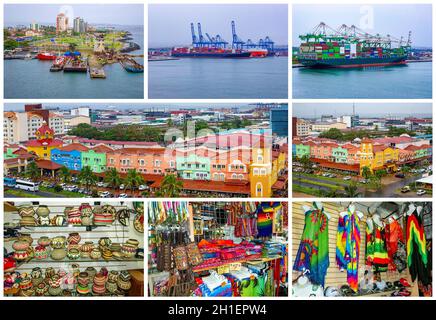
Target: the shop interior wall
pixel 116 232
pixel 334 276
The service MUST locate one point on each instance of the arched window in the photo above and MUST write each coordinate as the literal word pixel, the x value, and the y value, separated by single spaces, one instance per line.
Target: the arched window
pixel 240 176
pixel 263 172
pixel 259 158
pixel 222 176
pixel 256 171
pixel 234 176
pixel 259 189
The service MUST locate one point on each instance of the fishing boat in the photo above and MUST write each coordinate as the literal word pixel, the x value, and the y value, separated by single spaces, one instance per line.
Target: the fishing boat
pixel 46 56
pixel 58 64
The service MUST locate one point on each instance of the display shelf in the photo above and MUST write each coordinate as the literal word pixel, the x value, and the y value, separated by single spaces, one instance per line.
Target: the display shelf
pixel 251 261
pixel 50 260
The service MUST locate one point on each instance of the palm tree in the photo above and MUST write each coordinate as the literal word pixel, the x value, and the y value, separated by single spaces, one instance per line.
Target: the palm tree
pixel 405 169
pixel 170 187
pixel 87 178
pixel 305 161
pixel 133 180
pixel 64 174
pixel 112 178
pixel 332 193
pixel 366 172
pixel 351 190
pixel 375 181
pixel 32 171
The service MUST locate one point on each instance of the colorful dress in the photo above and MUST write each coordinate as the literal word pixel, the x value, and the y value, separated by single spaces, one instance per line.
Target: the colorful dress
pixel 395 246
pixel 313 253
pixel 417 254
pixel 376 254
pixel 348 246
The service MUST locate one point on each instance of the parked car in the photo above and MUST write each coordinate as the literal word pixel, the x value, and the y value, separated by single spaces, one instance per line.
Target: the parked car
pixel 123 195
pixel 420 192
pixel 332 175
pixel 142 187
pixel 363 181
pixel 122 186
pixel 347 178
pixel 100 184
pixel 400 175
pixel 405 189
pixel 104 194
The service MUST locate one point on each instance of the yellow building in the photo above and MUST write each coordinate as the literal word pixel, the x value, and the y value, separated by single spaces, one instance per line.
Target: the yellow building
pixel 261 179
pixel 377 157
pixel 44 142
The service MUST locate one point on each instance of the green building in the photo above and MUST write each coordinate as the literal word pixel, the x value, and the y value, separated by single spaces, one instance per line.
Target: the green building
pixel 95 160
pixel 193 167
pixel 302 150
pixel 340 155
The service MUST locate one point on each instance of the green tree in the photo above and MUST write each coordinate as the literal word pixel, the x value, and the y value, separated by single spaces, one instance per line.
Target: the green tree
pixel 405 169
pixel 87 178
pixel 305 161
pixel 351 190
pixel 366 172
pixel 170 187
pixel 375 181
pixel 332 133
pixel 112 178
pixel 64 174
pixel 32 171
pixel 133 180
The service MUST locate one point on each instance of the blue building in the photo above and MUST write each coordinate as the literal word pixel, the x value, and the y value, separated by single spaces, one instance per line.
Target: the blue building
pixel 69 156
pixel 279 121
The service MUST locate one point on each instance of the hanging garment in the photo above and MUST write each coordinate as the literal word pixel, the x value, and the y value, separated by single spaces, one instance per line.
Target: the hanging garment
pixel 313 253
pixel 348 246
pixel 417 255
pixel 265 216
pixel 376 254
pixel 395 246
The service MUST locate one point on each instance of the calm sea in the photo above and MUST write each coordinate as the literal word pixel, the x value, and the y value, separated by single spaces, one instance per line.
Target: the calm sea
pixel 190 78
pixel 31 79
pixel 413 81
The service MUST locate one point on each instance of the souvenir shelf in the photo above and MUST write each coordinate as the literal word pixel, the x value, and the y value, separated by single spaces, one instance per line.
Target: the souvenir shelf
pixel 117 245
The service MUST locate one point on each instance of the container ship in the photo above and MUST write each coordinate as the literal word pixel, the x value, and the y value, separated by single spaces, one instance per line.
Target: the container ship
pixel 186 52
pixel 350 47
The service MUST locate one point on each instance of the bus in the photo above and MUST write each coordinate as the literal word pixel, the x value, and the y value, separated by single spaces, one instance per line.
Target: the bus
pixel 27 185
pixel 9 182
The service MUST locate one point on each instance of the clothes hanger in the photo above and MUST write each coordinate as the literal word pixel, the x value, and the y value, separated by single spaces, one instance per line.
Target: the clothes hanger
pixel 411 208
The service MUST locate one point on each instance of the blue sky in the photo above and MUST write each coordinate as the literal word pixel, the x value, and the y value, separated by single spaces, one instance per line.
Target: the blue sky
pixel 396 20
pixel 123 14
pixel 169 25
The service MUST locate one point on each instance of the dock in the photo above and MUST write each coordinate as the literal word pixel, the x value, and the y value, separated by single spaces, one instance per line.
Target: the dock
pixel 97 73
pixel 74 66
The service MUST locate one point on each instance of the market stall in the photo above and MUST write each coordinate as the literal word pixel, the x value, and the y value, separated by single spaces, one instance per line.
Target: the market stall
pixel 211 249
pixel 361 249
pixel 74 249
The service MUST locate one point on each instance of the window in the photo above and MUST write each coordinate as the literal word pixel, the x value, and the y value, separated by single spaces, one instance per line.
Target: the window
pixel 259 158
pixel 141 162
pixel 259 189
pixel 256 171
pixel 234 176
pixel 263 172
pixel 240 176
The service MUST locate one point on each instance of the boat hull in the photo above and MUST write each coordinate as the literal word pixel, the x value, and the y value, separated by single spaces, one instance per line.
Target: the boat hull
pixel 352 63
pixel 40 56
pixel 211 55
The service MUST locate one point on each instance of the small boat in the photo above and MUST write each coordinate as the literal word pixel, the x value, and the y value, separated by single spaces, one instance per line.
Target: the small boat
pixel 46 56
pixel 132 66
pixel 58 64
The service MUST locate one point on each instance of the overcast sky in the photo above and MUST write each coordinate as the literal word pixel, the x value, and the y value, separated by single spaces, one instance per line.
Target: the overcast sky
pixel 396 20
pixel 170 25
pixel 311 110
pixel 123 14
pixel 120 106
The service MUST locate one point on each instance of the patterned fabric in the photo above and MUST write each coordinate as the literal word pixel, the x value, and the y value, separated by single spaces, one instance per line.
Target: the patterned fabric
pixel 348 246
pixel 376 252
pixel 313 253
pixel 395 246
pixel 417 255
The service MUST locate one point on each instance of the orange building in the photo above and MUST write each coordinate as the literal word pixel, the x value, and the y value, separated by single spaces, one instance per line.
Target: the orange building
pixel 144 160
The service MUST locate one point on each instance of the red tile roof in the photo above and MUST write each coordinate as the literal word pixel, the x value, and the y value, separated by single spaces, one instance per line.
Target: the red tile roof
pixel 44 143
pixel 47 164
pixel 339 166
pixel 74 147
pixel 102 149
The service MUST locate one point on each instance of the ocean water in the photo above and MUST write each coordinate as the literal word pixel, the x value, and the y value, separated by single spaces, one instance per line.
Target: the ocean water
pixel 31 79
pixel 413 81
pixel 203 78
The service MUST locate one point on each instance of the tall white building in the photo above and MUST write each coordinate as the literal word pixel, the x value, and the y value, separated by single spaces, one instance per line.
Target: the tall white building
pixel 80 111
pixel 21 126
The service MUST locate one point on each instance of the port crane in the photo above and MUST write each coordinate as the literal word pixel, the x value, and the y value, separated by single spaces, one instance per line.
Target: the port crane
pixel 351 34
pixel 237 43
pixel 201 42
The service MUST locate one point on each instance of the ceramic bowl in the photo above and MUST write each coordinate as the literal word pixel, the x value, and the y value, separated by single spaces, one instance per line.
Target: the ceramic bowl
pixel 73 254
pixel 58 242
pixel 43 211
pixel 20 245
pixel 58 254
pixel 44 241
